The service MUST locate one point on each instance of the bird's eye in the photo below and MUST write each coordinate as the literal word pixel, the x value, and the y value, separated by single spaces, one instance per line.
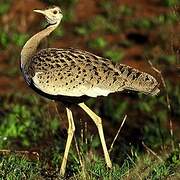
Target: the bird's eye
pixel 55 12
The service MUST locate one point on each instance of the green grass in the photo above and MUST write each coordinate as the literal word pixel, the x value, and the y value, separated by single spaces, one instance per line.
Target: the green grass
pixel 17 124
pixel 136 165
pixel 14 168
pixel 29 126
pixel 151 167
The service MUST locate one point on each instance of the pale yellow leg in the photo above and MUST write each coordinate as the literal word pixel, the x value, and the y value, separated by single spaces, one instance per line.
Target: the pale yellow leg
pixel 71 130
pixel 98 123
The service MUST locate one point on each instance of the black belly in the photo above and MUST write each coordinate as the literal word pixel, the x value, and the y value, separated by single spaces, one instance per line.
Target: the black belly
pixel 67 100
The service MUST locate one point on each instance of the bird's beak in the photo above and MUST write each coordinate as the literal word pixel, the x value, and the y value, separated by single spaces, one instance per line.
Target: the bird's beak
pixel 39 11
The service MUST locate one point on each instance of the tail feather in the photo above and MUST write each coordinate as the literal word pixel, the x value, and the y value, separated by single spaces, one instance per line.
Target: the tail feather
pixel 138 81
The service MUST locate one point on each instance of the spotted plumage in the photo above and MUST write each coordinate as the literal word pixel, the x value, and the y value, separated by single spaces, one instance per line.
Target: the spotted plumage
pixel 72 72
pixel 72 75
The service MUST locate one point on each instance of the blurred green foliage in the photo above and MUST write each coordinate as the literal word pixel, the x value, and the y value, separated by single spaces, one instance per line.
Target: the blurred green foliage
pixel 114 12
pixel 66 3
pixel 170 2
pixel 114 55
pixel 4 6
pixel 82 30
pixel 102 24
pixel 115 110
pixel 98 43
pixel 4 39
pixel 19 39
pixel 149 23
pixel 169 59
pixel 14 38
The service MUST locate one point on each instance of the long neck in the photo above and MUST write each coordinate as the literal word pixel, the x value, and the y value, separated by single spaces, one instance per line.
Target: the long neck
pixel 32 44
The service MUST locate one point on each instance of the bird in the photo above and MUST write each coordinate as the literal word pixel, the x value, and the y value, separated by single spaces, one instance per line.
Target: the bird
pixel 72 76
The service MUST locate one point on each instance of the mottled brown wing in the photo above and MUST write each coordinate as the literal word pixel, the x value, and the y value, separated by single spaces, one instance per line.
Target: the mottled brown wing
pixel 73 72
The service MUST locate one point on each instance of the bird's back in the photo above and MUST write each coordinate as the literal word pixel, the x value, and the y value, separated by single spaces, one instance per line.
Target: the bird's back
pixel 75 73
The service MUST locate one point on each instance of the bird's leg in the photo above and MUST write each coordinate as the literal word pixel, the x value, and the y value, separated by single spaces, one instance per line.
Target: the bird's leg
pixel 98 123
pixel 71 130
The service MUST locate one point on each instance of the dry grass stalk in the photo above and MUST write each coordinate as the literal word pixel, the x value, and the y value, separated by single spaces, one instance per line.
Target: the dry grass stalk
pixel 151 151
pixel 167 102
pixel 111 147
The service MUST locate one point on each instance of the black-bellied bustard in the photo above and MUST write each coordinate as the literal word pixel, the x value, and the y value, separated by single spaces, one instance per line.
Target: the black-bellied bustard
pixel 70 75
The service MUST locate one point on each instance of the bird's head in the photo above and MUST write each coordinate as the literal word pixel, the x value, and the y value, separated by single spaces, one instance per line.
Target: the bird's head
pixel 52 14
